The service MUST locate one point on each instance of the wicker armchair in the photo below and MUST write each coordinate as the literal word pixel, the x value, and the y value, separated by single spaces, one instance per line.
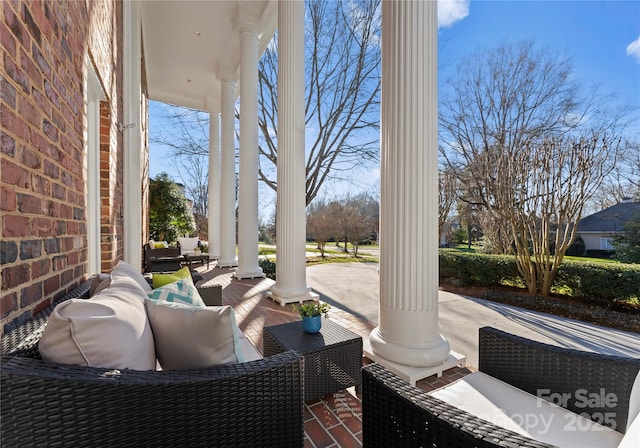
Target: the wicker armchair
pixel 394 413
pixel 258 403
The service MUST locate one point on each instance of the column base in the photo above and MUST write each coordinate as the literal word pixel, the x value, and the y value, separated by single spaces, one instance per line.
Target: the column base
pixel 256 273
pixel 227 263
pixel 423 354
pixel 414 374
pixel 283 300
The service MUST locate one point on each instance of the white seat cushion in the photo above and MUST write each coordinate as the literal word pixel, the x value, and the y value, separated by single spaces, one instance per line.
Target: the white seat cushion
pixel 504 405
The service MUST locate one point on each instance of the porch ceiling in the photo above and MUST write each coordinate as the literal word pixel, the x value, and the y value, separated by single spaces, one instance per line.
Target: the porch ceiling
pixel 186 43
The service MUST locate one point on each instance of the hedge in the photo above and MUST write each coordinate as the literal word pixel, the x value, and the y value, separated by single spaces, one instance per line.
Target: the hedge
pixel 590 281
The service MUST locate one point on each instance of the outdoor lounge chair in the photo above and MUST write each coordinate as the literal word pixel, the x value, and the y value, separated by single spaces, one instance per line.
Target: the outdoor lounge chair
pixel 396 413
pixel 250 404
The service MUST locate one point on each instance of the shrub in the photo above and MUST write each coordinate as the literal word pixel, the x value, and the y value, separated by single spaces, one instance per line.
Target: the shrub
pixel 599 282
pixel 268 267
pixel 593 282
pixel 480 269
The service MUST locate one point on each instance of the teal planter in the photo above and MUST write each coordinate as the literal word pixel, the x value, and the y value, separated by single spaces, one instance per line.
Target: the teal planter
pixel 312 324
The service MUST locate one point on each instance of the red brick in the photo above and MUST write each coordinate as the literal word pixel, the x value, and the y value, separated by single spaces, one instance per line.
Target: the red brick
pixel 41 227
pixel 30 158
pixel 14 174
pixel 50 130
pixel 7 199
pixel 51 285
pixel 31 294
pixel 18 126
pixel 8 304
pixel 7 144
pixel 29 204
pixel 7 39
pixel 30 68
pixel 40 268
pixel 15 226
pixel 7 92
pixel 13 276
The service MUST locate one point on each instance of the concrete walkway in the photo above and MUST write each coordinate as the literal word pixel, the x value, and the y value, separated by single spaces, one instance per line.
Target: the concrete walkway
pixel 354 287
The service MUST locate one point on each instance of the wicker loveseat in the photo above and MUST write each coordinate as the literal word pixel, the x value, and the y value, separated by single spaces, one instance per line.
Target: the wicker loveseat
pixel 396 413
pixel 44 404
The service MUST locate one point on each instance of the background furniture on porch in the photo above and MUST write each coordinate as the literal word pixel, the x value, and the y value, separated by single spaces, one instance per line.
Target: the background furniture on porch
pixel 201 258
pixel 333 357
pixel 396 413
pixel 165 259
pixel 257 403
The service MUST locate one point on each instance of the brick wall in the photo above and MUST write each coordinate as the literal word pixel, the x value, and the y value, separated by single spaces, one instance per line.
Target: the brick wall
pixel 42 136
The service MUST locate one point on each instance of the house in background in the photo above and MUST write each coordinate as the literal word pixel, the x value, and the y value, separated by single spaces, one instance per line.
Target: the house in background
pixel 599 230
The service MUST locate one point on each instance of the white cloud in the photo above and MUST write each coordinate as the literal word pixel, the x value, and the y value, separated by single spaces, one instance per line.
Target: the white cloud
pixel 633 50
pixel 450 11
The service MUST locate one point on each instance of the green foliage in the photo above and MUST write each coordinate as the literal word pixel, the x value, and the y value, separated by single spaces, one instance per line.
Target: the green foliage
pixel 313 308
pixel 481 269
pixel 268 267
pixel 169 214
pixel 591 281
pixel 600 282
pixel 628 243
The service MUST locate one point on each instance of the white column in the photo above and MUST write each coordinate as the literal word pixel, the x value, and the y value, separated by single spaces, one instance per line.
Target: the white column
pixel 291 285
pixel 227 173
pixel 214 185
pixel 408 332
pixel 248 189
pixel 132 136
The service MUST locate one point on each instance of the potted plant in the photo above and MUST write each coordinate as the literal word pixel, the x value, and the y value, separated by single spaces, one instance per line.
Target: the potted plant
pixel 311 313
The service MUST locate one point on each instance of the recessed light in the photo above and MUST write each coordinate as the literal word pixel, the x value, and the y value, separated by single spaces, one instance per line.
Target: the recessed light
pixel 188 80
pixel 197 33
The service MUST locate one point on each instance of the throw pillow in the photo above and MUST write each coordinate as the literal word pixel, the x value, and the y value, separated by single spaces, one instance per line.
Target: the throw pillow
pixel 183 291
pixel 192 337
pixel 160 245
pixel 109 330
pixel 124 269
pixel 164 279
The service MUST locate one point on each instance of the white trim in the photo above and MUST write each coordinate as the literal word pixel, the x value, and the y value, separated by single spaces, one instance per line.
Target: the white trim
pixel 132 81
pixel 93 95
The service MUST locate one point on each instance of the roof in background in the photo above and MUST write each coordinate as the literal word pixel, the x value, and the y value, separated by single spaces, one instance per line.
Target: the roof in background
pixel 610 219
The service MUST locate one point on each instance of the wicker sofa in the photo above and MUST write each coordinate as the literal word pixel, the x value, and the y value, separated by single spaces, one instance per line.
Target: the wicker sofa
pixel 398 414
pixel 42 404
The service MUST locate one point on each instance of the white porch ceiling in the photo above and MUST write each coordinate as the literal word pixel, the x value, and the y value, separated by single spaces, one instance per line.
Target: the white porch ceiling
pixel 186 43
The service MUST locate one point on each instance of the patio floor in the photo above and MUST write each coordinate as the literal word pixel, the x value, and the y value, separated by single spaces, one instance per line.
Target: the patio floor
pixel 334 420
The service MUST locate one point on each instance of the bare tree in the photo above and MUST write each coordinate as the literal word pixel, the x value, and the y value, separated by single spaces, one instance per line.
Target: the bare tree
pixel 513 129
pixel 447 195
pixel 361 219
pixel 543 193
pixel 342 93
pixel 320 223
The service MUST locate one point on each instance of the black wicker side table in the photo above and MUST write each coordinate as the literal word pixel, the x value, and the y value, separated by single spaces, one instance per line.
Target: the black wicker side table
pixel 332 357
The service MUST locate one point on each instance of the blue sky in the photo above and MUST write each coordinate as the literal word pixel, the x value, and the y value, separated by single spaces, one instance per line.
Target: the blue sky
pixel 601 37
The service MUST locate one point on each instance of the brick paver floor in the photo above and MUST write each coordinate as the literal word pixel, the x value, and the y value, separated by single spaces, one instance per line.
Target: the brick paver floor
pixel 334 420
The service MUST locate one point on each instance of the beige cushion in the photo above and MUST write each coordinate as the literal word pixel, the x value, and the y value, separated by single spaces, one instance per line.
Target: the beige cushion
pixel 504 405
pixel 124 269
pixel 108 330
pixel 192 337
